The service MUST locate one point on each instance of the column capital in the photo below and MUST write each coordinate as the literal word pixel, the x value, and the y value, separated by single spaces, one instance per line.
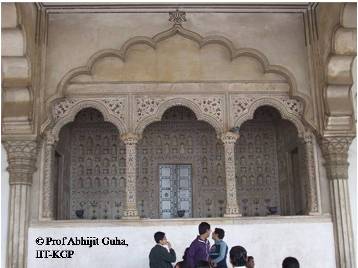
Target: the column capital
pixel 50 138
pixel 21 155
pixel 307 137
pixel 229 137
pixel 336 144
pixel 130 138
pixel 335 151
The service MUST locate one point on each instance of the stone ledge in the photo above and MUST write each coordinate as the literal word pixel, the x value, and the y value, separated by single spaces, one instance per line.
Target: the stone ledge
pixel 188 221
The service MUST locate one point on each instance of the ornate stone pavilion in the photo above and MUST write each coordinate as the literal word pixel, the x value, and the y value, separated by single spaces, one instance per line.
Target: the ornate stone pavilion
pixel 166 114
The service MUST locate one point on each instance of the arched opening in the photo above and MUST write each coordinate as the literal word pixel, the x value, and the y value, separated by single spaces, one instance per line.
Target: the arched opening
pixel 270 166
pixel 90 169
pixel 180 168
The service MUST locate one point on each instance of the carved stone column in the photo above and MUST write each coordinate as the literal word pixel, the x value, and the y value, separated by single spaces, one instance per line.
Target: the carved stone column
pixel 48 179
pixel 335 152
pixel 130 210
pixel 232 208
pixel 313 206
pixel 22 164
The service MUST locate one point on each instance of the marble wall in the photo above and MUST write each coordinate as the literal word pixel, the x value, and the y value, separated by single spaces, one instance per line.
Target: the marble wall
pixel 310 240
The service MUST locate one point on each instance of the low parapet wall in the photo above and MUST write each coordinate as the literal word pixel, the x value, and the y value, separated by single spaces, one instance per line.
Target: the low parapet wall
pixel 268 239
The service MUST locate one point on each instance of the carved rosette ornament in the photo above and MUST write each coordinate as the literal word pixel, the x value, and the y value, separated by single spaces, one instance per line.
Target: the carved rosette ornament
pixel 232 208
pixel 312 195
pixel 48 181
pixel 177 17
pixel 335 152
pixel 130 140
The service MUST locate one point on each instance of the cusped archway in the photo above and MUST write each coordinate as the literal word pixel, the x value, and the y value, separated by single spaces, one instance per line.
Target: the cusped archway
pixel 271 166
pixel 185 102
pixel 180 167
pixel 89 169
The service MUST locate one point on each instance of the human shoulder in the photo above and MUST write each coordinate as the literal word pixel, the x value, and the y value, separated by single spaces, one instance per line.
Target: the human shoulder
pixel 223 242
pixel 194 242
pixel 157 248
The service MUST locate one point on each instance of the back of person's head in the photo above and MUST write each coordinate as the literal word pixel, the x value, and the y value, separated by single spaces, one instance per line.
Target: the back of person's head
pixel 202 264
pixel 250 262
pixel 290 262
pixel 179 264
pixel 220 232
pixel 203 227
pixel 238 256
pixel 158 236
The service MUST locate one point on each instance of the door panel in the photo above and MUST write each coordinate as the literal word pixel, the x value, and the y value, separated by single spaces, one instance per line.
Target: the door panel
pixel 175 190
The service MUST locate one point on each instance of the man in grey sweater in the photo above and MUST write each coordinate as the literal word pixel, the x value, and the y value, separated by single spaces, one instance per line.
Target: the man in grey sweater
pixel 219 250
pixel 159 256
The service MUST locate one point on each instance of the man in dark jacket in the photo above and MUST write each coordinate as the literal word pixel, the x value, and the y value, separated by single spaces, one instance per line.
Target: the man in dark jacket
pixel 199 248
pixel 159 257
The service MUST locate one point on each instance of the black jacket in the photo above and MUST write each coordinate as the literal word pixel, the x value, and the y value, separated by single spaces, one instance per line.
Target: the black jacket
pixel 159 257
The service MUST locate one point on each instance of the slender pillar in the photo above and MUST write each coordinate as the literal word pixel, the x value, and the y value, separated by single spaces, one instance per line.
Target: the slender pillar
pixel 232 208
pixel 49 180
pixel 335 152
pixel 22 164
pixel 130 210
pixel 313 206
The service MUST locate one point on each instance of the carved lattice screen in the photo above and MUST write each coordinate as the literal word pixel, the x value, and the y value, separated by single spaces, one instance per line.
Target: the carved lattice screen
pixel 97 168
pixel 180 139
pixel 94 165
pixel 256 165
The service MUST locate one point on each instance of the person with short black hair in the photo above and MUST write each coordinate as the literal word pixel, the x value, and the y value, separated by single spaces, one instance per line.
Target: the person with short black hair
pixel 182 263
pixel 219 250
pixel 290 262
pixel 250 262
pixel 199 248
pixel 238 256
pixel 159 257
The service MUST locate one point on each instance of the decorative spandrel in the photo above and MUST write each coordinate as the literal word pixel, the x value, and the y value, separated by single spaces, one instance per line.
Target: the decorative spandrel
pixel 97 168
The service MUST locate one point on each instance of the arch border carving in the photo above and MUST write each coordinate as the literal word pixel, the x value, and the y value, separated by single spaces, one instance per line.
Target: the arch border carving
pixel 65 111
pixel 164 104
pixel 200 40
pixel 282 103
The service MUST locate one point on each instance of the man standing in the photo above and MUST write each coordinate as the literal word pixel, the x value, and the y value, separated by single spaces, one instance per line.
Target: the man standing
pixel 159 257
pixel 199 248
pixel 219 250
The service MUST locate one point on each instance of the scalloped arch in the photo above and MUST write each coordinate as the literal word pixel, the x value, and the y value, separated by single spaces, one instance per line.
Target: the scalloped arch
pixel 201 41
pixel 178 102
pixel 285 114
pixel 71 115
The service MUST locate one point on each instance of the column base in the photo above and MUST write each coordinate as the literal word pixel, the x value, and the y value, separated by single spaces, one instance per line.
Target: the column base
pixel 314 213
pixel 130 218
pixel 232 212
pixel 130 215
pixel 232 215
